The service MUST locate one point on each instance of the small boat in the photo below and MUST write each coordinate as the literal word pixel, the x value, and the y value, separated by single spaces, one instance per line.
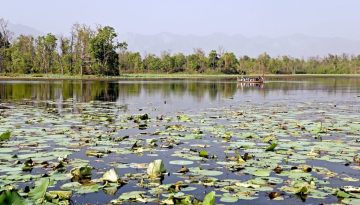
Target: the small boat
pixel 257 80
pixel 250 85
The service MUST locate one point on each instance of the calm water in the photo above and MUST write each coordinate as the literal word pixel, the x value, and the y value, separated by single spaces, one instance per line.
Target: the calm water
pixel 181 95
pixel 192 97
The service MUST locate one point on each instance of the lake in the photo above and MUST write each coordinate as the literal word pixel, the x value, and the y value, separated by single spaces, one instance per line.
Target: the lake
pixel 289 141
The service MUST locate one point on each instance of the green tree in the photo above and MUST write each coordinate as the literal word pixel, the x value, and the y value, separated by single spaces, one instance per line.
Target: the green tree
pixel 152 63
pixel 5 37
pixel 228 63
pixel 179 62
pixel 213 59
pixel 136 61
pixel 46 52
pixel 197 61
pixel 167 62
pixel 23 54
pixel 131 61
pixel 246 64
pixel 83 60
pixel 65 57
pixel 103 48
pixel 263 62
pixel 193 62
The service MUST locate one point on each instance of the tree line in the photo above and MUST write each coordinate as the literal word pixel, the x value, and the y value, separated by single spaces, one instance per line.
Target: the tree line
pixel 88 51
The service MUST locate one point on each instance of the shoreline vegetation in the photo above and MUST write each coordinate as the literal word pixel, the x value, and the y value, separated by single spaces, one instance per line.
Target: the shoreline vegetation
pixel 129 76
pixel 88 53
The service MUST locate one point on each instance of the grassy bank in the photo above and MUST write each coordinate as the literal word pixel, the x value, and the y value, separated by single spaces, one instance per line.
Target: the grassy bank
pixel 151 76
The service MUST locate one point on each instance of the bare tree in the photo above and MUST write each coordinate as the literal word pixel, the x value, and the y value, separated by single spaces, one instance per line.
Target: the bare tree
pixel 5 38
pixel 221 50
pixel 82 36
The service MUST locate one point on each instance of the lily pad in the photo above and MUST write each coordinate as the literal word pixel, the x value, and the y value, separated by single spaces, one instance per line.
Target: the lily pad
pixel 38 193
pixel 209 199
pixel 5 136
pixel 156 168
pixel 181 162
pixel 12 197
pixel 111 176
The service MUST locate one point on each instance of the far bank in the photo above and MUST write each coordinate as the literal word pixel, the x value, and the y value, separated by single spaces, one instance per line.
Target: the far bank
pixel 134 76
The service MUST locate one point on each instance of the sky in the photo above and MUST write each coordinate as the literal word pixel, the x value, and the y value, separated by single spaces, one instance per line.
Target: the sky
pixel 268 18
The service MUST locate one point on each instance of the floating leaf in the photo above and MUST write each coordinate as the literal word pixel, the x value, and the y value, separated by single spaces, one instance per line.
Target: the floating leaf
pixel 38 193
pixel 70 186
pixel 12 197
pixel 342 194
pixel 261 173
pixel 274 195
pixel 271 147
pixel 5 136
pixel 205 172
pixel 94 153
pixel 183 170
pixel 228 198
pixel 209 199
pixel 130 196
pixel 203 153
pixel 351 201
pixel 144 117
pixel 184 118
pixel 111 176
pixel 63 195
pixel 156 168
pixel 181 162
pixel 351 189
pixel 82 172
pixel 89 188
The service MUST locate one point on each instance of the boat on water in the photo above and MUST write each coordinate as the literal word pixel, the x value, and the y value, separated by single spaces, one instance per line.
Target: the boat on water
pixel 250 85
pixel 257 80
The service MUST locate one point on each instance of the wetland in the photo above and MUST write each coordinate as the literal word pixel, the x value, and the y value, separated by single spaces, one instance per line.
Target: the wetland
pixel 293 140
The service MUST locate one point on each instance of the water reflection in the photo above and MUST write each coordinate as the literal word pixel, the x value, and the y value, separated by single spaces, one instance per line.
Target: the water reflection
pixel 197 90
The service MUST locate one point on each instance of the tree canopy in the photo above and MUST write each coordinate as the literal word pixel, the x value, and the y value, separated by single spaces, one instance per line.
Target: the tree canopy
pixel 88 51
pixel 103 48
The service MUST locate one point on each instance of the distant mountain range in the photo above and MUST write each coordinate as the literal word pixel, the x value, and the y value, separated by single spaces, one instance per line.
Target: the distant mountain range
pixel 18 29
pixel 294 45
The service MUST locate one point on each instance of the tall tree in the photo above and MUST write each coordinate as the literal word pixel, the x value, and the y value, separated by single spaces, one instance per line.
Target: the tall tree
pixel 23 54
pixel 81 37
pixel 103 48
pixel 65 57
pixel 263 62
pixel 152 63
pixel 197 61
pixel 213 59
pixel 167 62
pixel 179 62
pixel 5 37
pixel 229 63
pixel 135 62
pixel 46 52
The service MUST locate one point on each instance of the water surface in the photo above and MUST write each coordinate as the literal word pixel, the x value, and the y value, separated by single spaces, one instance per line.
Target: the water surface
pixel 233 118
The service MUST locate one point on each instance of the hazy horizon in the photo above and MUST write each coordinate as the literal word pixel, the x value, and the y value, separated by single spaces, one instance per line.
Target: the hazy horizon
pixel 280 27
pixel 276 18
pixel 296 45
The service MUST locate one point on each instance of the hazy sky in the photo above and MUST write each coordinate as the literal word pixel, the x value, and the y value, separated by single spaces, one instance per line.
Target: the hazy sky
pixel 270 18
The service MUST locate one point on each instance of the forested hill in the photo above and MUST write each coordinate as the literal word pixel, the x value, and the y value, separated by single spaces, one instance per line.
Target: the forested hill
pixel 98 51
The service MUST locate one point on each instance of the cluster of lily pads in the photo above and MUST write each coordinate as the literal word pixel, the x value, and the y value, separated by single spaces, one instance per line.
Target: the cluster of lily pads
pixel 298 152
